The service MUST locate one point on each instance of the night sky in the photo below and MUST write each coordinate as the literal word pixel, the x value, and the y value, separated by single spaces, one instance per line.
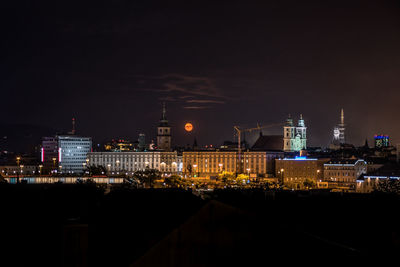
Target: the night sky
pixel 110 64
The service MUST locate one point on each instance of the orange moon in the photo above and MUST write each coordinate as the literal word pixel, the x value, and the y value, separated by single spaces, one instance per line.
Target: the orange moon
pixel 188 127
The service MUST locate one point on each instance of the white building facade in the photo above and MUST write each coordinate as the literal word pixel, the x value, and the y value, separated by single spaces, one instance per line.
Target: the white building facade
pixel 130 162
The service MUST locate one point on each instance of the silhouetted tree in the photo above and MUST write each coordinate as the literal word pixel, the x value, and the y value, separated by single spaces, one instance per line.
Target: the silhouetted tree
pixel 391 186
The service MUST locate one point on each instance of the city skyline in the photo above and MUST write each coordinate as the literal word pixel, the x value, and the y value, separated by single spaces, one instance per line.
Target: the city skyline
pixel 199 133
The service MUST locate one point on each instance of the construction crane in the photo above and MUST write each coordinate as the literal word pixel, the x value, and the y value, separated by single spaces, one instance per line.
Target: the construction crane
pixel 239 133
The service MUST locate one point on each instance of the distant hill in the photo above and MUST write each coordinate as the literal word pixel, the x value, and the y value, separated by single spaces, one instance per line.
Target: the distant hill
pixel 22 138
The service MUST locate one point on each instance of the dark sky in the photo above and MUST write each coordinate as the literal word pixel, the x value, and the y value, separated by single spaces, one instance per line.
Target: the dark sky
pixel 110 64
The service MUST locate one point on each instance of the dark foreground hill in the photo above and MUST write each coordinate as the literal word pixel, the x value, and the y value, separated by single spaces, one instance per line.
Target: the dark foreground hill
pixel 79 225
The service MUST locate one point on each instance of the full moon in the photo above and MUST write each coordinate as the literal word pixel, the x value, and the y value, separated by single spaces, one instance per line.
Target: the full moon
pixel 188 127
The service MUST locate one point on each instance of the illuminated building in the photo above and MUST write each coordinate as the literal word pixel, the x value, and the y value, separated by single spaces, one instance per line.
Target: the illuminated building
pixel 381 141
pixel 119 145
pixel 344 173
pixel 21 169
pixel 72 153
pixel 294 137
pixel 49 151
pixel 272 146
pixel 294 172
pixel 65 153
pixel 64 180
pixel 129 162
pixel 164 132
pixel 211 163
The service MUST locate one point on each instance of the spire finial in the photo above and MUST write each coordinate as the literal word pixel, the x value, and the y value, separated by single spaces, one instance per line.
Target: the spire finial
pixel 342 116
pixel 301 116
pixel 164 111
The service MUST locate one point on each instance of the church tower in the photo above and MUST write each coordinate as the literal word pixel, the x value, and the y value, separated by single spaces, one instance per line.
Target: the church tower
pixel 294 137
pixel 164 132
pixel 288 134
pixel 301 135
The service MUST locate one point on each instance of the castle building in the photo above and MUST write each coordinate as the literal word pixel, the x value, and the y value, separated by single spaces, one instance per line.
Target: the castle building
pixel 294 137
pixel 129 162
pixel 164 132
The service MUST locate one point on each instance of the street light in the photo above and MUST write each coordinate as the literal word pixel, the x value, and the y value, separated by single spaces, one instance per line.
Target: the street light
pixel 282 170
pixel 195 166
pixel 54 163
pixel 40 168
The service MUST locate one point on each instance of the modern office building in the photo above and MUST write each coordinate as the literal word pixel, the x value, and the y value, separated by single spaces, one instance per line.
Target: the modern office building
pixel 49 153
pixel 294 172
pixel 294 137
pixel 65 153
pixel 381 141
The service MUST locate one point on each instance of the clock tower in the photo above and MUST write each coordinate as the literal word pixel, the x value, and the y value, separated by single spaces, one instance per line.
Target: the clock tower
pixel 164 132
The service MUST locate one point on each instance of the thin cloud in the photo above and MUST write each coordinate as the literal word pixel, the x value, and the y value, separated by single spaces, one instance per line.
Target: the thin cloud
pixel 195 92
pixel 190 86
pixel 196 107
pixel 205 101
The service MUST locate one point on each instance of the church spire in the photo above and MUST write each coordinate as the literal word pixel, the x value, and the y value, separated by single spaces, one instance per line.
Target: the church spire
pixel 301 121
pixel 164 112
pixel 164 120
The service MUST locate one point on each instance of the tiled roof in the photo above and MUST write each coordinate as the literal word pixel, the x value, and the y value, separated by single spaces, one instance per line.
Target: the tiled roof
pixel 269 143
